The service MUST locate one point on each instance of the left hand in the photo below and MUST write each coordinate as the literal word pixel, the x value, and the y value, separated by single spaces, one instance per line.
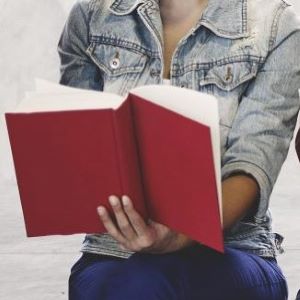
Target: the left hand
pixel 134 234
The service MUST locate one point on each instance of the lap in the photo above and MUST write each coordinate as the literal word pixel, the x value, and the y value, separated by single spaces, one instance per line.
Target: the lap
pixel 194 273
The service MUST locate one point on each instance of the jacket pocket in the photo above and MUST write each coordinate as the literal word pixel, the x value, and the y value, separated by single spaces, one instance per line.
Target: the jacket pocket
pixel 227 80
pixel 229 74
pixel 120 66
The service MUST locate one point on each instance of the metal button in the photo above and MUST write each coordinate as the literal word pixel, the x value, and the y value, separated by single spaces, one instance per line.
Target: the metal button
pixel 115 63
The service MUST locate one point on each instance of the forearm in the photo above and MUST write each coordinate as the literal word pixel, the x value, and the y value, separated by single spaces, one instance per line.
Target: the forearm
pixel 240 196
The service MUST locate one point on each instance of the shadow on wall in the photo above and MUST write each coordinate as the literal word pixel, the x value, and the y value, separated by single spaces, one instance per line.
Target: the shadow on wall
pixel 29 33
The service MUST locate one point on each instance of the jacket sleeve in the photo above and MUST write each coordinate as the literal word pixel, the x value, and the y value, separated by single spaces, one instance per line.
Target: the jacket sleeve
pixel 77 69
pixel 264 124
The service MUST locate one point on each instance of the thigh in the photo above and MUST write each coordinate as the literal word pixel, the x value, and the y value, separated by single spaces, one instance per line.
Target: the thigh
pixel 237 275
pixel 197 274
pixel 192 274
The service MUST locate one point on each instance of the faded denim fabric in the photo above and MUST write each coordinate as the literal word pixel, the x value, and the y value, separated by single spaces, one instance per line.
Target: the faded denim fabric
pixel 244 52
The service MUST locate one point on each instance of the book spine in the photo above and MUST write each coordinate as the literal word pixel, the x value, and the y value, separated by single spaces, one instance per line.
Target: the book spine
pixel 133 113
pixel 128 158
pixel 118 149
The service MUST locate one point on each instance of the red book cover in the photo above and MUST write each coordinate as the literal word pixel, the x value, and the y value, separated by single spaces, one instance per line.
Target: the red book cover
pixel 178 172
pixel 68 162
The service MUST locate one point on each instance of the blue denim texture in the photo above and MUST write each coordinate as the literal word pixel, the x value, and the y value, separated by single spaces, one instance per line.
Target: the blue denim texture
pixel 244 52
pixel 190 274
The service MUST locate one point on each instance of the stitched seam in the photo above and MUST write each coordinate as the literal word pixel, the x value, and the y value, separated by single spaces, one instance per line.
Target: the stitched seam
pixel 244 15
pixel 116 4
pixel 147 15
pixel 178 71
pixel 275 25
pixel 228 87
pixel 124 44
pixel 119 11
pixel 262 252
pixel 91 7
pixel 224 33
pixel 253 232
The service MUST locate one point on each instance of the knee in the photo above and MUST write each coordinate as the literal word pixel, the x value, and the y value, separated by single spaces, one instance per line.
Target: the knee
pixel 89 276
pixel 246 276
pixel 85 286
pixel 140 280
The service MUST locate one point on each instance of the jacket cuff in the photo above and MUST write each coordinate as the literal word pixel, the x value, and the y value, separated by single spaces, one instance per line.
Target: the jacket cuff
pixel 265 186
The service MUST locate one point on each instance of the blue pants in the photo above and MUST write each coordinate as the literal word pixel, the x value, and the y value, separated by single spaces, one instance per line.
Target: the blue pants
pixel 190 274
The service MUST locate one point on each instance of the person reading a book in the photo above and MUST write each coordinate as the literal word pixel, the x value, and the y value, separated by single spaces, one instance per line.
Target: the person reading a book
pixel 245 53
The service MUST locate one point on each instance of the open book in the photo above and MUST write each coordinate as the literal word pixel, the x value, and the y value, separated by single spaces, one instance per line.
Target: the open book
pixel 159 145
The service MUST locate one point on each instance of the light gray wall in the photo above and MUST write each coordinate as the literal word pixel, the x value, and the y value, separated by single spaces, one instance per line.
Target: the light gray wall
pixel 29 31
pixel 296 3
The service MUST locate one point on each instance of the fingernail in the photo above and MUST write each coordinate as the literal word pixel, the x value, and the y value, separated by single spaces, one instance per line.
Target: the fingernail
pixel 101 210
pixel 113 200
pixel 125 200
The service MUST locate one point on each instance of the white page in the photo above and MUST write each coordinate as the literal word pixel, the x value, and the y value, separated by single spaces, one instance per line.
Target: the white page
pixel 54 97
pixel 200 107
pixel 42 102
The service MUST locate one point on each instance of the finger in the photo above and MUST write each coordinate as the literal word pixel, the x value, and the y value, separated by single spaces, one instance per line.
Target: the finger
pixel 122 220
pixel 109 225
pixel 134 217
pixel 122 247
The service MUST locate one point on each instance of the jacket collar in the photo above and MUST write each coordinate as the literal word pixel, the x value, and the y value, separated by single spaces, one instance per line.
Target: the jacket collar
pixel 124 7
pixel 226 18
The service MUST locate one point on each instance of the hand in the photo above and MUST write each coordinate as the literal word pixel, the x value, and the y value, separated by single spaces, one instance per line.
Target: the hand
pixel 134 234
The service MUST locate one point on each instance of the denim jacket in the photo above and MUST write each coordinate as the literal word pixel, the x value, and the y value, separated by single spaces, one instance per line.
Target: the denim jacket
pixel 244 52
